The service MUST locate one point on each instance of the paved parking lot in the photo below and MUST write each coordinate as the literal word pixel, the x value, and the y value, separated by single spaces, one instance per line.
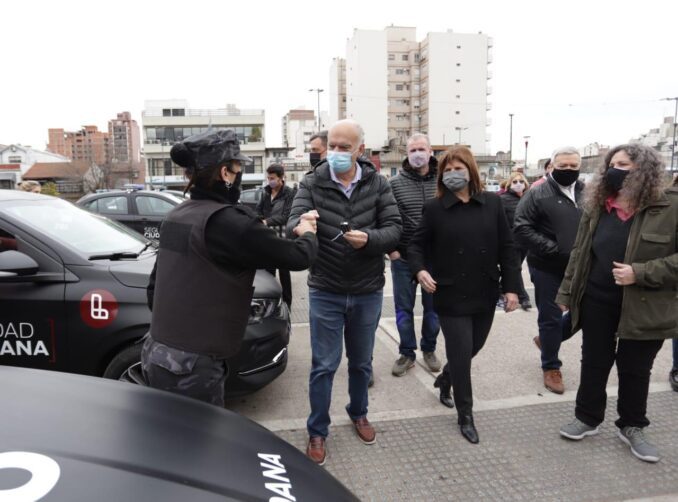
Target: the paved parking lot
pixel 420 455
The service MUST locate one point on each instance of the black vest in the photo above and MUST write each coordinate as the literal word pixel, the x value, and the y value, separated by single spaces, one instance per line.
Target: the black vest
pixel 198 306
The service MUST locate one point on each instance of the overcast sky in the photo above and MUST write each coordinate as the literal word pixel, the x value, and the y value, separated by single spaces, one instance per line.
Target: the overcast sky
pixel 571 72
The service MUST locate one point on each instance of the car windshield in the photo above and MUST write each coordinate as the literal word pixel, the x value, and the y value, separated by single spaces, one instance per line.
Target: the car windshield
pixel 86 232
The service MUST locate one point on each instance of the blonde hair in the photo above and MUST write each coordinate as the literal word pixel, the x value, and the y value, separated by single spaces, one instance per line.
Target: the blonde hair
pixel 30 186
pixel 515 175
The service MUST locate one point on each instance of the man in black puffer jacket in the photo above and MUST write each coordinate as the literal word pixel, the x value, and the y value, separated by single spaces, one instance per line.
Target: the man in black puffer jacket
pixel 415 184
pixel 546 223
pixel 347 280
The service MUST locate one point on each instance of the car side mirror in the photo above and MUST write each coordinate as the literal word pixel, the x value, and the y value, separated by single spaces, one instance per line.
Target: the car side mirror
pixel 15 262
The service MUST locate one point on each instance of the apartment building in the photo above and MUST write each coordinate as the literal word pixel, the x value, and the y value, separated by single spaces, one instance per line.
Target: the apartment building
pixel 167 121
pixel 394 85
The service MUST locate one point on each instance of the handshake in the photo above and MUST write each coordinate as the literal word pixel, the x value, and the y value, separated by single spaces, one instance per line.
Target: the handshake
pixel 307 223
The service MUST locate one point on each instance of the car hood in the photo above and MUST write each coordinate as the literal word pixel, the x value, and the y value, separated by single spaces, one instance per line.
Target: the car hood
pixel 114 441
pixel 135 274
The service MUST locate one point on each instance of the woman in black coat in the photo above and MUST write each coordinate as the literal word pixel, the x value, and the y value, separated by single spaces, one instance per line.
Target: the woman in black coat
pixel 516 186
pixel 464 254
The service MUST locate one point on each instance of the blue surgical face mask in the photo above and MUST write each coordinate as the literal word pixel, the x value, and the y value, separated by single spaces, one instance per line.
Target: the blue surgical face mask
pixel 339 162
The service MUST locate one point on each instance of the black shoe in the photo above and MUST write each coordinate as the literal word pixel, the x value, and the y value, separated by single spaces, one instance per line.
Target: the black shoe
pixel 468 430
pixel 526 305
pixel 444 385
pixel 673 379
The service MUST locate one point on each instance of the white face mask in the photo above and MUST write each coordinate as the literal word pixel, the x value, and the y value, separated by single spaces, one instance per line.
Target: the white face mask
pixel 418 159
pixel 518 187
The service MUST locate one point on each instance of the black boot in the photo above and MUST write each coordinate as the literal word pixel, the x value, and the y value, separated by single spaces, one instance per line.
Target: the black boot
pixel 445 386
pixel 468 430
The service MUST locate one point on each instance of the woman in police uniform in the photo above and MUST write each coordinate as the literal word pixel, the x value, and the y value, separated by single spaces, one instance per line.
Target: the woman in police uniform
pixel 201 287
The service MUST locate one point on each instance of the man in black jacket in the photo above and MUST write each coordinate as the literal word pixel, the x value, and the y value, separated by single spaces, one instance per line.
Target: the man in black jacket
pixel 546 223
pixel 274 209
pixel 415 184
pixel 358 221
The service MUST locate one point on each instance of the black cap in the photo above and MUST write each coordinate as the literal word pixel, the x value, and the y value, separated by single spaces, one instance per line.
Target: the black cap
pixel 208 149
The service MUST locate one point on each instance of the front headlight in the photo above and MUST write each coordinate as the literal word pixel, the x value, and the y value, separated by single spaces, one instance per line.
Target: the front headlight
pixel 261 308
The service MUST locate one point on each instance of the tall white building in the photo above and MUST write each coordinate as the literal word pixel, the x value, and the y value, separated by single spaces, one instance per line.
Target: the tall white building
pixel 167 121
pixel 394 85
pixel 298 126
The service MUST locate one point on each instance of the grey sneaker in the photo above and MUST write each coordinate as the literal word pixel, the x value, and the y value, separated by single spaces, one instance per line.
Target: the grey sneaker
pixel 432 361
pixel 634 437
pixel 402 364
pixel 578 430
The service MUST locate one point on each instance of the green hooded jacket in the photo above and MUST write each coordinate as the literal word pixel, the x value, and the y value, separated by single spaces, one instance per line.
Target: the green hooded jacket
pixel 650 306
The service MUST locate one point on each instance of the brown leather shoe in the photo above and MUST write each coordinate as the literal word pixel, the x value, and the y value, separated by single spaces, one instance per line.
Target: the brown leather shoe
pixel 316 450
pixel 537 342
pixel 365 431
pixel 553 381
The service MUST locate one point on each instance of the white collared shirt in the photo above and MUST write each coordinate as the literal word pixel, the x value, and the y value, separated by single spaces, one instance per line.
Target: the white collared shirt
pixel 348 190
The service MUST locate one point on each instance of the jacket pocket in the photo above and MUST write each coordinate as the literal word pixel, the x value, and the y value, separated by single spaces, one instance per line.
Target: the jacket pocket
pixel 656 238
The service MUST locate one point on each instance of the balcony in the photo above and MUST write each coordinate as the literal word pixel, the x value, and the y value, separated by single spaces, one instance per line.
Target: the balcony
pixel 489 90
pixel 488 106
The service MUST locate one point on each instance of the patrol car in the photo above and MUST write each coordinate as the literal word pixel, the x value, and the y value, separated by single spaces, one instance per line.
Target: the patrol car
pixel 73 290
pixel 141 210
pixel 67 438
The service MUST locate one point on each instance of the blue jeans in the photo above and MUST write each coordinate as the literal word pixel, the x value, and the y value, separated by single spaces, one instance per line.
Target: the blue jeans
pixel 550 317
pixel 334 316
pixel 404 297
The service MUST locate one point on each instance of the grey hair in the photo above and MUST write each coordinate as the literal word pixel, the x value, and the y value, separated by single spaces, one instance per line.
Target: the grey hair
pixel 419 135
pixel 358 128
pixel 564 150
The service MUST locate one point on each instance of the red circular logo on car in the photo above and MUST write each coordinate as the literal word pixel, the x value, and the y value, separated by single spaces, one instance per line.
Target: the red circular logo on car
pixel 98 308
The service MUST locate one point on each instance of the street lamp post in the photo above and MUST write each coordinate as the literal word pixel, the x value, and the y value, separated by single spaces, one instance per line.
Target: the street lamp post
pixel 673 145
pixel 318 91
pixel 459 129
pixel 510 138
pixel 526 138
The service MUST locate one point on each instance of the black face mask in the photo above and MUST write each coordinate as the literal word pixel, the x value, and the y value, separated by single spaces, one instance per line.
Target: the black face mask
pixel 565 177
pixel 314 158
pixel 614 178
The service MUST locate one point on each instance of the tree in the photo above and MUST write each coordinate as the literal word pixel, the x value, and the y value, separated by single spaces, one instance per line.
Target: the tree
pixel 50 188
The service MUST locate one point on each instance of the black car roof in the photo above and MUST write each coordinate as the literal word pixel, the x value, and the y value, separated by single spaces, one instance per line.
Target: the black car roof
pixel 117 441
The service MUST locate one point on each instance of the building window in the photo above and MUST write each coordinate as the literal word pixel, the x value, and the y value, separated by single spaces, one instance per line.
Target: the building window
pixel 458 96
pixel 458 81
pixel 457 112
pixel 14 159
pixel 458 64
pixel 178 112
pixel 166 112
pixel 400 71
pixel 406 57
pixel 399 87
pixel 391 57
pixel 416 57
pixel 458 46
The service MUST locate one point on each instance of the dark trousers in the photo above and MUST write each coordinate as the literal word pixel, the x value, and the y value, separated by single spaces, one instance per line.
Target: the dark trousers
pixel 550 317
pixel 464 337
pixel 600 350
pixel 285 283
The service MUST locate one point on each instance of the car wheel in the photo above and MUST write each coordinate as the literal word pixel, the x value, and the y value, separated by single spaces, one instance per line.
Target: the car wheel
pixel 123 360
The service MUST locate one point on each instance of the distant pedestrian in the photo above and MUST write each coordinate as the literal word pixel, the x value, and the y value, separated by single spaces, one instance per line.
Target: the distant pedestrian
pixel 318 149
pixel 673 374
pixel 548 168
pixel 274 208
pixel 358 222
pixel 516 187
pixel 546 224
pixel 200 289
pixel 620 287
pixel 412 187
pixel 463 253
pixel 30 186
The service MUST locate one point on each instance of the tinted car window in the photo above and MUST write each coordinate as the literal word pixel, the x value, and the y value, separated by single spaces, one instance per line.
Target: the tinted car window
pixel 152 206
pixel 76 228
pixel 112 205
pixel 250 196
pixel 92 206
